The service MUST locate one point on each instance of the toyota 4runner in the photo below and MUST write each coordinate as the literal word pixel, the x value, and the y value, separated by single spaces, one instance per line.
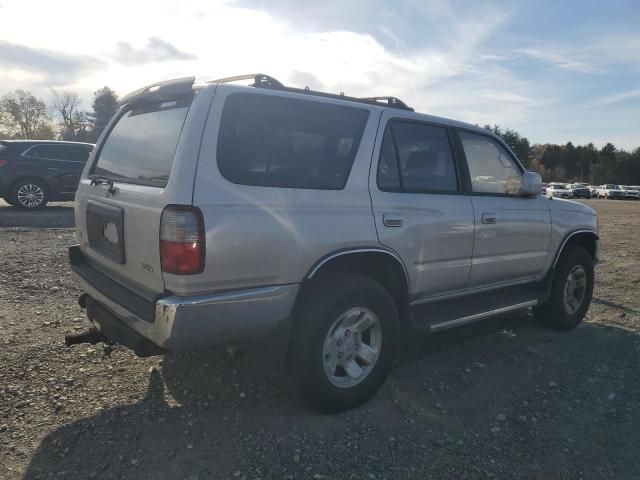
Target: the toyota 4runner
pixel 220 212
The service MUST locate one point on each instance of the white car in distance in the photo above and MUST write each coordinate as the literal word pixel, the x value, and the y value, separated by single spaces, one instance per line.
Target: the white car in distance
pixel 631 192
pixel 559 190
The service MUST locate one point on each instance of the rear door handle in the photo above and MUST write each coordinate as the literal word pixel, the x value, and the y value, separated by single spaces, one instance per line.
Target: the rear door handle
pixel 489 218
pixel 391 220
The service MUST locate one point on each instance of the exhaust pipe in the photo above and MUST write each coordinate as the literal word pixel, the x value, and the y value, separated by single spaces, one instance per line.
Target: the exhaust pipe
pixel 91 336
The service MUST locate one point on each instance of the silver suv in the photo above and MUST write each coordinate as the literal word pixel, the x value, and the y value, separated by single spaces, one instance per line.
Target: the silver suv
pixel 220 212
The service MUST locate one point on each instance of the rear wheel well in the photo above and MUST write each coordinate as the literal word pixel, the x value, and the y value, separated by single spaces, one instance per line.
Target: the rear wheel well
pixel 382 267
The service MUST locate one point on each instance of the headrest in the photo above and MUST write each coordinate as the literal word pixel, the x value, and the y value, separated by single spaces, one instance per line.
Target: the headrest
pixel 421 161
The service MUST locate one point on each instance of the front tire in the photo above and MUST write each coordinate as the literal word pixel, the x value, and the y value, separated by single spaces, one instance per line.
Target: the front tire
pixel 343 341
pixel 29 194
pixel 571 291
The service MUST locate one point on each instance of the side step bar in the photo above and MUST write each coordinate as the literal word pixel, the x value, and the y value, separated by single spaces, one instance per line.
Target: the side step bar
pixel 458 322
pixel 436 315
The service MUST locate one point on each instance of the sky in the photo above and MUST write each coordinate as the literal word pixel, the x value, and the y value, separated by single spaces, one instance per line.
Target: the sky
pixel 555 71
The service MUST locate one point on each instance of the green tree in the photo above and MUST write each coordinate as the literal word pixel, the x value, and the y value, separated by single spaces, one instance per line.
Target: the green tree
pixel 606 170
pixel 105 105
pixel 571 163
pixel 518 144
pixel 23 115
pixel 82 127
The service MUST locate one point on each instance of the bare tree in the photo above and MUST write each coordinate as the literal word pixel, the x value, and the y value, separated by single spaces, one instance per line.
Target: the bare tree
pixel 23 115
pixel 65 104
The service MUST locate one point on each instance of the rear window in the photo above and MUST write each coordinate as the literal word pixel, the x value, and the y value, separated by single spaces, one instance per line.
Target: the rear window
pixel 140 148
pixel 282 142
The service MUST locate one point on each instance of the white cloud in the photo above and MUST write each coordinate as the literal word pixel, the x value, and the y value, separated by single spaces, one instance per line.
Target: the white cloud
pixel 553 56
pixel 593 56
pixel 228 39
pixel 439 58
pixel 617 97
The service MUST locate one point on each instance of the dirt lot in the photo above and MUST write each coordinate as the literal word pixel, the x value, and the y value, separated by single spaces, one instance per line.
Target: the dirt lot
pixel 502 399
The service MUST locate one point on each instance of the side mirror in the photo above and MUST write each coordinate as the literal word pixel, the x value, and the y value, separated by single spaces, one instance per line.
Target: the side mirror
pixel 531 184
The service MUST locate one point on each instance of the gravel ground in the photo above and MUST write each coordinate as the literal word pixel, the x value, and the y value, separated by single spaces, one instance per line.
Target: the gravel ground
pixel 501 399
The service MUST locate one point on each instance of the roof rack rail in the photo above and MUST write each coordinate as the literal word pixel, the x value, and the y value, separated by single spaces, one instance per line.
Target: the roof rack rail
pixel 260 80
pixel 392 101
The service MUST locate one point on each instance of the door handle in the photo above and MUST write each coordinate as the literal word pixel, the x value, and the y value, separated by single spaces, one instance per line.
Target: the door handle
pixel 489 218
pixel 53 169
pixel 391 220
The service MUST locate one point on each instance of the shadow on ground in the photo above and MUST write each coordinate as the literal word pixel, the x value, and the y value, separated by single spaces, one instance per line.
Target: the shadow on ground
pixel 501 399
pixel 57 215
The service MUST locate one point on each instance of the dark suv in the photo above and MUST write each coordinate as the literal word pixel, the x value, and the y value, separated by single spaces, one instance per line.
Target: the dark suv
pixel 34 172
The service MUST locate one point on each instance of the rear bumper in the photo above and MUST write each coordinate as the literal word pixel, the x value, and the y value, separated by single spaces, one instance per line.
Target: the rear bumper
pixel 183 322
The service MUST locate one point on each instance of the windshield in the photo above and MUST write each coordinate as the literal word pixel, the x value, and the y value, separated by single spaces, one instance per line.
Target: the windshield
pixel 141 146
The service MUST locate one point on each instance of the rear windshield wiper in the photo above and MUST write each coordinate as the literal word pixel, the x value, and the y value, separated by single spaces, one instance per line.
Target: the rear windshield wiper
pixel 99 180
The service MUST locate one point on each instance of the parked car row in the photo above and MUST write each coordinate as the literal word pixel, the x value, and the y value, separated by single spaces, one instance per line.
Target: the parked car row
pixel 620 192
pixel 34 172
pixel 567 190
pixel 584 190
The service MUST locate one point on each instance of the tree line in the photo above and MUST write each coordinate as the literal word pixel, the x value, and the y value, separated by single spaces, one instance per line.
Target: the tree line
pixel 23 116
pixel 571 163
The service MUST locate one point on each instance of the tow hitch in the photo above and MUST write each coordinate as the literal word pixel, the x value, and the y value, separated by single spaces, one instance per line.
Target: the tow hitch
pixel 91 336
pixel 112 331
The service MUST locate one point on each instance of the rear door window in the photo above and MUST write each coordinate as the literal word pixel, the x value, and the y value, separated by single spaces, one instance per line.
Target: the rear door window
pixel 422 154
pixel 140 148
pixel 273 141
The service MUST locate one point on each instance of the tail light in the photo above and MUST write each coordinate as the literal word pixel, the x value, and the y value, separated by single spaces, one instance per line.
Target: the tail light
pixel 3 162
pixel 182 240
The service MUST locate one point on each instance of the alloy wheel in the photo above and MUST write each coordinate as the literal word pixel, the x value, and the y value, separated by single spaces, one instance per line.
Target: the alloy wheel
pixel 30 195
pixel 352 347
pixel 574 289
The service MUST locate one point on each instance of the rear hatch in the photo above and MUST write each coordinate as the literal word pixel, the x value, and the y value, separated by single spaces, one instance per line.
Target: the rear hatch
pixel 123 192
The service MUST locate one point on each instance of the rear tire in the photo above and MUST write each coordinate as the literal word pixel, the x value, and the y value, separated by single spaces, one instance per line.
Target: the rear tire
pixel 571 291
pixel 343 341
pixel 29 194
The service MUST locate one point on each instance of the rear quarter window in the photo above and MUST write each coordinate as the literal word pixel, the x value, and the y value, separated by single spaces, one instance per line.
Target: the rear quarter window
pixel 273 141
pixel 141 146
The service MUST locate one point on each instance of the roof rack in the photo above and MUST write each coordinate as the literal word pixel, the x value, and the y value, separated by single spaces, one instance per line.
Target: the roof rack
pixel 391 101
pixel 260 80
